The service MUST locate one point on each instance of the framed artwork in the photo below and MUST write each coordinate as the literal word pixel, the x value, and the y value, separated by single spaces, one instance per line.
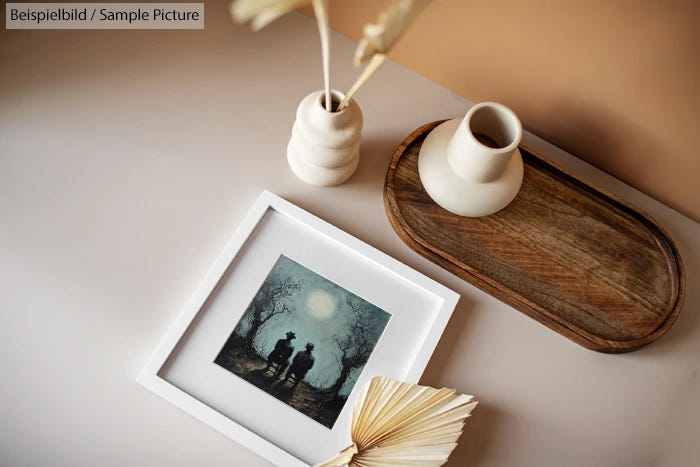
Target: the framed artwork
pixel 293 318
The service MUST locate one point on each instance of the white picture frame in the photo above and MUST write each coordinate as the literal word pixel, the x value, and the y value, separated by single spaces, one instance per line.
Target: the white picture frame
pixel 182 371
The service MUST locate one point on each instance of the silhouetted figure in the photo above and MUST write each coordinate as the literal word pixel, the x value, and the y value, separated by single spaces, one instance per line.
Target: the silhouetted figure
pixel 302 363
pixel 279 357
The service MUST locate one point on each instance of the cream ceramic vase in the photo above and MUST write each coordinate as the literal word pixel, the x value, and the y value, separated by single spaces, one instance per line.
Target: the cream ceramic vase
pixel 324 148
pixel 472 166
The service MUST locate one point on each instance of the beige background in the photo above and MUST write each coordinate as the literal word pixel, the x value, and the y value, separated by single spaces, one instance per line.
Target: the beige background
pixel 614 82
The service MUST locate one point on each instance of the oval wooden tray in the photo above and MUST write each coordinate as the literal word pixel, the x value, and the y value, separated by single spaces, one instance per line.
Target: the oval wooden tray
pixel 577 259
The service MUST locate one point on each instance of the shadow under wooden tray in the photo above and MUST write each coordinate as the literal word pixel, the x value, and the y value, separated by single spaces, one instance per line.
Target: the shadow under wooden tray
pixel 579 260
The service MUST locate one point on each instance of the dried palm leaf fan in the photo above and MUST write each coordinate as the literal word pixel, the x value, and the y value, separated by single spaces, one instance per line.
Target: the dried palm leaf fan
pixel 396 423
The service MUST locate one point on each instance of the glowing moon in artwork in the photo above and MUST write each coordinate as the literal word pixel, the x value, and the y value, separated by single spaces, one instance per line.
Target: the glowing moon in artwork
pixel 321 304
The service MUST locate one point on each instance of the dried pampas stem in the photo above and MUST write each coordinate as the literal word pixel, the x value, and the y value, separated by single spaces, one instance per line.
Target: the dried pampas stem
pixel 262 12
pixel 321 13
pixel 377 60
pixel 379 37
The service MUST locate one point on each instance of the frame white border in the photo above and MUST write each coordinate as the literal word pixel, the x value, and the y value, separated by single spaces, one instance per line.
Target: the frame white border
pixel 149 375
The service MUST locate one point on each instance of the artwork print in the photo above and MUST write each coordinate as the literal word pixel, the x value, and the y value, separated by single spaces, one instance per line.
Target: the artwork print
pixel 304 340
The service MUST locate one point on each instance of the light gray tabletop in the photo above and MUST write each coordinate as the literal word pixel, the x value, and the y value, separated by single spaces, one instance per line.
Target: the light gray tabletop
pixel 127 159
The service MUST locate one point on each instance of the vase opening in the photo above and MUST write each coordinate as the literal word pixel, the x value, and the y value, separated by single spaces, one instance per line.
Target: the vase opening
pixel 494 127
pixel 336 97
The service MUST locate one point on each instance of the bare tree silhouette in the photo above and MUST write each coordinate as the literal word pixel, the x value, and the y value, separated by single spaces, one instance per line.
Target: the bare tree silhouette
pixel 268 303
pixel 358 342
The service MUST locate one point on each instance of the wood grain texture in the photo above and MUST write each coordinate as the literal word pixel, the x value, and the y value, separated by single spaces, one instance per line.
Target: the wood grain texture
pixel 577 259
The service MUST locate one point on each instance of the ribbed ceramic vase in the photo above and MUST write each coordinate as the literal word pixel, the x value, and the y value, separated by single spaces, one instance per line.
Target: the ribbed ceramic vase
pixel 472 166
pixel 324 148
